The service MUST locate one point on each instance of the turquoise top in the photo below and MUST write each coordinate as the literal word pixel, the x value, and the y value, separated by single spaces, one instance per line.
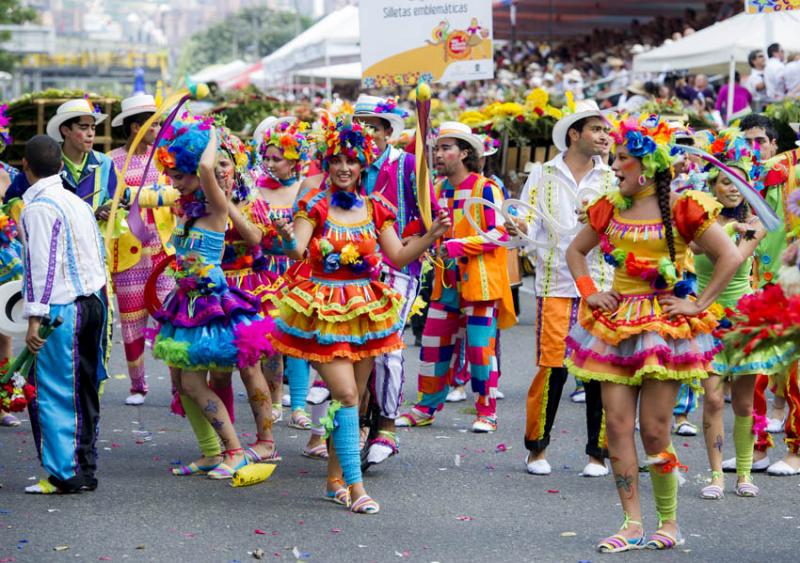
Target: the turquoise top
pixel 201 243
pixel 739 284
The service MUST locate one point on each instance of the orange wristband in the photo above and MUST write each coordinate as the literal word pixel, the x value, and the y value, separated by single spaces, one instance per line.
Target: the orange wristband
pixel 586 286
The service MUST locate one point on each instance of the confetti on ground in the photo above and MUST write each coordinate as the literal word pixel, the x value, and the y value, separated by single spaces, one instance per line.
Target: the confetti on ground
pixel 553 491
pixel 104 558
pixel 260 532
pixel 502 448
pixel 568 534
pixel 457 460
pixel 403 555
pixel 464 518
pixel 335 530
pixel 61 548
pixel 120 376
pixel 300 555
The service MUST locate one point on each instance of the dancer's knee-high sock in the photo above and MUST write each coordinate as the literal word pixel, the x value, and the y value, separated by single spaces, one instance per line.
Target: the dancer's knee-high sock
pixel 345 440
pixel 297 373
pixel 743 439
pixel 207 438
pixel 665 491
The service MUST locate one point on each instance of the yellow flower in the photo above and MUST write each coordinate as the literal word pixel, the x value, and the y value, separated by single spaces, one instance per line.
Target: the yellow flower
pixel 349 254
pixel 570 101
pixel 472 118
pixel 509 109
pixel 554 112
pixel 538 98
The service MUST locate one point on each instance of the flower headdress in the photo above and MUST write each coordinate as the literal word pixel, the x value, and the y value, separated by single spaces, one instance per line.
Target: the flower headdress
pixel 183 143
pixel 242 157
pixel 5 131
pixel 648 138
pixel 344 135
pixel 390 106
pixel 731 147
pixel 291 138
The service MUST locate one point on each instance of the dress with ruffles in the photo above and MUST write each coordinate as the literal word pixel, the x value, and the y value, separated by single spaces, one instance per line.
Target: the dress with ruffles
pixel 206 324
pixel 341 310
pixel 638 341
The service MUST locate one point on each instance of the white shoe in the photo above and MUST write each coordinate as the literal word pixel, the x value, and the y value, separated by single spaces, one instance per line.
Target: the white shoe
pixel 456 395
pixel 538 467
pixel 729 465
pixel 578 396
pixel 135 400
pixel 499 395
pixel 685 428
pixel 775 426
pixel 318 395
pixel 286 400
pixel 484 425
pixel 781 468
pixel 594 470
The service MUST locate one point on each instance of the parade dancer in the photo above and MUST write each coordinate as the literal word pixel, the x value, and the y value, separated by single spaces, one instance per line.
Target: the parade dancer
pixel 205 324
pixel 582 136
pixel 65 277
pixel 342 316
pixel 283 155
pixel 471 295
pixel 645 336
pixel 132 261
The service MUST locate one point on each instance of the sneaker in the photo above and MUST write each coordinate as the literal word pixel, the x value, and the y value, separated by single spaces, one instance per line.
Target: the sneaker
pixel 413 418
pixel 775 425
pixel 286 400
pixel 382 448
pixel 782 469
pixel 578 396
pixel 9 421
pixel 135 400
pixel 318 395
pixel 685 428
pixel 594 470
pixel 729 465
pixel 499 395
pixel 456 395
pixel 538 467
pixel 484 425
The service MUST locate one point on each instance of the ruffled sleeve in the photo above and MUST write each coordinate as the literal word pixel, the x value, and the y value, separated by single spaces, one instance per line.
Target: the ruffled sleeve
pixel 694 213
pixel 257 212
pixel 384 213
pixel 311 205
pixel 599 214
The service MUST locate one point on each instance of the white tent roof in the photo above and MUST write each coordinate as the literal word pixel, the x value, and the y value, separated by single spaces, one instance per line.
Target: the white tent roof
pixel 332 39
pixel 221 72
pixel 710 49
pixel 346 71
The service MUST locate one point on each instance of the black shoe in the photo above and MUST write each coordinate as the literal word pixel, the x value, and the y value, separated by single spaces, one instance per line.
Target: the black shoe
pixel 89 484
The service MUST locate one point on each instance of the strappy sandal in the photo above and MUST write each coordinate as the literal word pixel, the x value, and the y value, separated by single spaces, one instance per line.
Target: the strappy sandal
pixel 255 457
pixel 661 540
pixel 193 469
pixel 619 543
pixel 277 412
pixel 319 452
pixel 225 471
pixel 365 505
pixel 341 495
pixel 300 420
pixel 712 491
pixel 746 489
pixel 412 419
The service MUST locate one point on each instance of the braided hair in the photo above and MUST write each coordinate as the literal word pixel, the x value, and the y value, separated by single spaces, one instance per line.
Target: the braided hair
pixel 663 180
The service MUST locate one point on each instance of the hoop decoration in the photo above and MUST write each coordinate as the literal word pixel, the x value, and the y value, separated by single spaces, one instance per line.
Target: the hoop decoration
pixel 151 300
pixel 575 199
pixel 505 214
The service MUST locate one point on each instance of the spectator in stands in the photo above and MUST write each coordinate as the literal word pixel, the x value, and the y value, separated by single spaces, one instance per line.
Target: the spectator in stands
pixel 774 73
pixel 741 100
pixel 791 75
pixel 756 82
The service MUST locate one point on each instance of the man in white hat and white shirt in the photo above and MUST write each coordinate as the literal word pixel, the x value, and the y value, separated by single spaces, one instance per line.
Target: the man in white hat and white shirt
pixel 87 173
pixel 132 261
pixel 471 298
pixel 582 137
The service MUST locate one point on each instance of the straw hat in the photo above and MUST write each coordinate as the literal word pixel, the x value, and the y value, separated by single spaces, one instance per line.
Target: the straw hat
pixel 70 110
pixel 583 109
pixel 140 103
pixel 456 130
pixel 373 106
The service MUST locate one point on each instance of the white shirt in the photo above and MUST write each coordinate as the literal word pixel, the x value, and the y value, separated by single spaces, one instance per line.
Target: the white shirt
pixel 753 81
pixel 773 77
pixel 553 278
pixel 64 256
pixel 791 75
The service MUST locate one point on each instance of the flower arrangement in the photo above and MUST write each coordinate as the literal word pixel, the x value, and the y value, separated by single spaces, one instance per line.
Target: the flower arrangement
pixel 15 394
pixel 647 138
pixel 344 135
pixel 349 256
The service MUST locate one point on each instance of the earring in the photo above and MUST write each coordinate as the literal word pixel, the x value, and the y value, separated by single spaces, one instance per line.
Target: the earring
pixel 642 180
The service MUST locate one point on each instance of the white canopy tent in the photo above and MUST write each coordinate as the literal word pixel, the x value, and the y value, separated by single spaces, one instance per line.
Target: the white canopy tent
pixel 325 50
pixel 711 49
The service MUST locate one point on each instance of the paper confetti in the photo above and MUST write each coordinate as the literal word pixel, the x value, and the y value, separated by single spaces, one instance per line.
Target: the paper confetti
pixel 260 532
pixel 61 548
pixel 568 534
pixel 464 518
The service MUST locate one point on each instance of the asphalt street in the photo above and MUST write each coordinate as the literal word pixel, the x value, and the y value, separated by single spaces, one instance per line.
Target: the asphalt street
pixel 449 496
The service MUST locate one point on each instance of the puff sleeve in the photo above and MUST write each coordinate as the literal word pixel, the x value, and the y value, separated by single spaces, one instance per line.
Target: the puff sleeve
pixel 693 213
pixel 384 213
pixel 311 205
pixel 599 214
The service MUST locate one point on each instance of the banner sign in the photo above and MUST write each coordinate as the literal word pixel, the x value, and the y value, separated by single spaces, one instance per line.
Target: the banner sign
pixel 437 40
pixel 765 6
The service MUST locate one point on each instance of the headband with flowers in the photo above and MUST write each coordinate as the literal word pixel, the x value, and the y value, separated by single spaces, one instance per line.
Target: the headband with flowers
pixel 291 139
pixel 648 138
pixel 731 147
pixel 5 131
pixel 343 135
pixel 241 155
pixel 183 143
pixel 390 106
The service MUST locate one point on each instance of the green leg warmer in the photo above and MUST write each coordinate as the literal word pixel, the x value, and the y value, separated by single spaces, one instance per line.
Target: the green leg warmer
pixel 207 438
pixel 744 440
pixel 665 491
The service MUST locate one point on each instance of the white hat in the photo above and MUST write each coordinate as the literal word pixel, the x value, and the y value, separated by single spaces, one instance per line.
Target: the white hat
pixel 489 146
pixel 373 106
pixel 69 110
pixel 140 103
pixel 583 109
pixel 456 130
pixel 12 322
pixel 269 123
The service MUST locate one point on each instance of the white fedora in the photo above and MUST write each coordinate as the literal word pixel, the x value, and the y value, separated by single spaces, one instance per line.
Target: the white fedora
pixel 69 110
pixel 373 106
pixel 12 302
pixel 583 109
pixel 140 103
pixel 269 123
pixel 456 130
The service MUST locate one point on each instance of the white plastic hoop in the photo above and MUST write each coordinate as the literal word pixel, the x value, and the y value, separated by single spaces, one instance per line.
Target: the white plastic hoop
pixel 504 216
pixel 575 201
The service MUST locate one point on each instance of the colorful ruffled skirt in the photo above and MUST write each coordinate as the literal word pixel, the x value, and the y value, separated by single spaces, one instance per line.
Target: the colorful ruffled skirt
pixel 11 262
pixel 216 329
pixel 638 342
pixel 320 320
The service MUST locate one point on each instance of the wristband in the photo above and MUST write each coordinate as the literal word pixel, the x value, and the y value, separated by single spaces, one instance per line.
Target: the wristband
pixel 586 287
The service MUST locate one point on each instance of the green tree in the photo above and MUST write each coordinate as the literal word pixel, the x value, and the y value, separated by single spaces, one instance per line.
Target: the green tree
pixel 238 36
pixel 12 12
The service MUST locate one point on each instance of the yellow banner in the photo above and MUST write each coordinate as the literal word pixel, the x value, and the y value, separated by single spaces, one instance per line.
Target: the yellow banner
pixel 766 6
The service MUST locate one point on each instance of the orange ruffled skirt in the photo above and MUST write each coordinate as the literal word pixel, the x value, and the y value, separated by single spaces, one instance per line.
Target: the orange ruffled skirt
pixel 320 320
